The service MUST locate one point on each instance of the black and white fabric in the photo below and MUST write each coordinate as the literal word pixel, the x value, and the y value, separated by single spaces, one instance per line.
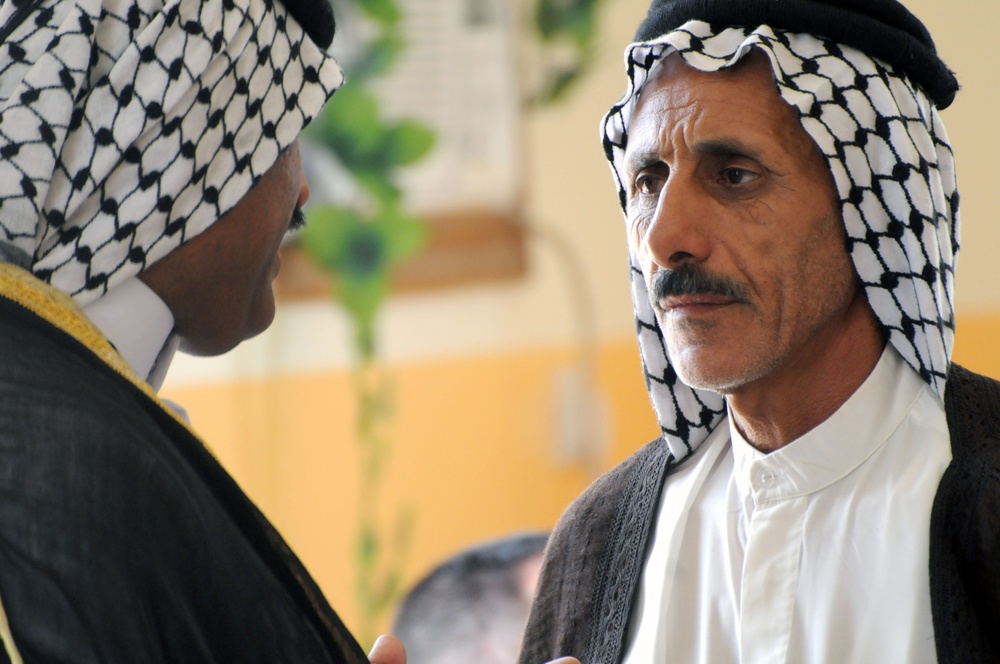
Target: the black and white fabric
pixel 127 127
pixel 894 172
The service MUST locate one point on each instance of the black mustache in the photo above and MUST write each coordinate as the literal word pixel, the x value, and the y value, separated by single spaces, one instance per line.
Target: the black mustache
pixel 693 280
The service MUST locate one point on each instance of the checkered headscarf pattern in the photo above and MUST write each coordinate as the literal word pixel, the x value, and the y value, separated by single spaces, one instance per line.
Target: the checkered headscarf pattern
pixel 127 127
pixel 893 169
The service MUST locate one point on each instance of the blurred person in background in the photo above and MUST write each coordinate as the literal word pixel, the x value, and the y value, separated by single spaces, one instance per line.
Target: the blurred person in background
pixel 473 606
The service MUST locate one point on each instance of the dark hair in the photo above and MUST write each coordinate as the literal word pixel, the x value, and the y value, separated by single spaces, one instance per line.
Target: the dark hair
pixel 471 604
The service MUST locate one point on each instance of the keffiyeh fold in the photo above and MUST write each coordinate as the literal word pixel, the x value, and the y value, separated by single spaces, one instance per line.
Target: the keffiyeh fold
pixel 127 127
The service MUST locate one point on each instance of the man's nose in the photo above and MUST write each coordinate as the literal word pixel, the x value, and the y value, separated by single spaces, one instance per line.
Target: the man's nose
pixel 678 232
pixel 303 190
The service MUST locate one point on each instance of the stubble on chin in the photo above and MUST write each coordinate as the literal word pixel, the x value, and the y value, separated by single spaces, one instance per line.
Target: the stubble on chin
pixel 704 363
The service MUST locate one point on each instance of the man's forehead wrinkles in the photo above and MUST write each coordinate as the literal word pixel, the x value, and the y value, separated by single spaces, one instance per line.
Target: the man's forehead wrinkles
pixel 713 128
pixel 658 130
pixel 663 109
pixel 650 144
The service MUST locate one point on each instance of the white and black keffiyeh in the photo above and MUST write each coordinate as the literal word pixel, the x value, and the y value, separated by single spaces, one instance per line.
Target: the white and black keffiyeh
pixel 127 127
pixel 894 172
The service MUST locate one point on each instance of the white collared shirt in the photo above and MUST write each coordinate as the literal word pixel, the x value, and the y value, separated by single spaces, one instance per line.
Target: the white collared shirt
pixel 817 552
pixel 139 325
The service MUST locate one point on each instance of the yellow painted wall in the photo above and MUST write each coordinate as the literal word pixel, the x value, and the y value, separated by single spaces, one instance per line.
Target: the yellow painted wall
pixel 977 343
pixel 473 454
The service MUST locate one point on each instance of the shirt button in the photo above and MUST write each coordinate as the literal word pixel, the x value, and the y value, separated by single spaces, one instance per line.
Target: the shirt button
pixel 767 477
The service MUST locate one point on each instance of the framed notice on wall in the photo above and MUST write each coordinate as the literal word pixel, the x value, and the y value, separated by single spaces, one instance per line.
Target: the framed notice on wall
pixel 457 75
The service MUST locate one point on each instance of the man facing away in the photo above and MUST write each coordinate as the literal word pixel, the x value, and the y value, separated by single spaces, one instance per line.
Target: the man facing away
pixel 149 169
pixel 827 485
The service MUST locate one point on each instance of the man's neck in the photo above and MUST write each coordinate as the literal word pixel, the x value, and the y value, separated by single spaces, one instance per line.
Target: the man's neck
pixel 775 410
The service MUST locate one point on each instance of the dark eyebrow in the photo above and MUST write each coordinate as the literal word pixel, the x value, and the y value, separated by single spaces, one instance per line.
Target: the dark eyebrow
pixel 642 159
pixel 731 147
pixel 726 147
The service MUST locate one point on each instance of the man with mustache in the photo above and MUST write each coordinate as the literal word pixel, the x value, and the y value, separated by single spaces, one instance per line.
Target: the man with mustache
pixel 827 484
pixel 149 169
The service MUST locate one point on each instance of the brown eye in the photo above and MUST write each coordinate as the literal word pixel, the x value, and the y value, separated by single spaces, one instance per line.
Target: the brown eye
pixel 737 176
pixel 647 184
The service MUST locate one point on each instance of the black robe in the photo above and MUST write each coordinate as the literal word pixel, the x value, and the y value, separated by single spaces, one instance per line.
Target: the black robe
pixel 121 538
